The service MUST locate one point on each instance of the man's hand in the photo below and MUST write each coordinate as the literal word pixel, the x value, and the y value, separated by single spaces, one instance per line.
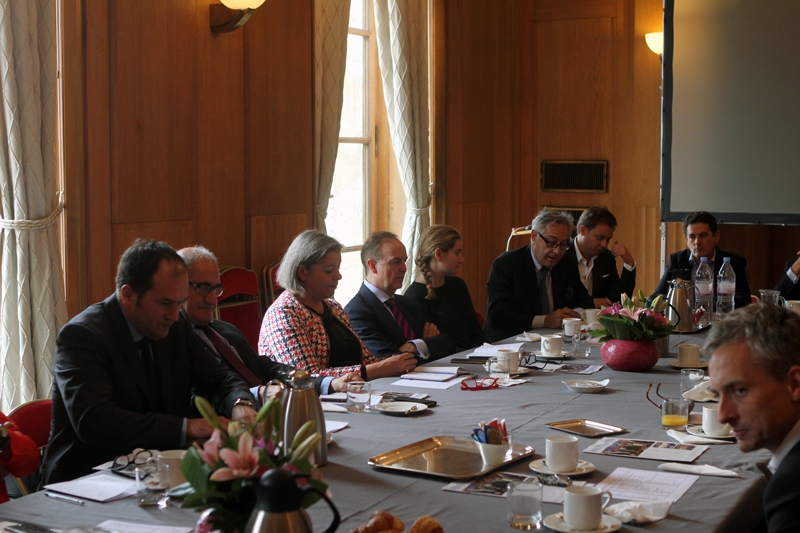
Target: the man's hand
pixel 599 302
pixel 554 319
pixel 340 384
pixel 198 428
pixel 620 250
pixel 268 392
pixel 430 330
pixel 395 365
pixel 409 347
pixel 796 266
pixel 244 413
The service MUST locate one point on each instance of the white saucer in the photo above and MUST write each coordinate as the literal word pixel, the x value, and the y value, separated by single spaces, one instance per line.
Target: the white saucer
pixel 697 431
pixel 583 386
pixel 540 465
pixel 676 364
pixel 521 370
pixel 541 355
pixel 556 523
pixel 400 408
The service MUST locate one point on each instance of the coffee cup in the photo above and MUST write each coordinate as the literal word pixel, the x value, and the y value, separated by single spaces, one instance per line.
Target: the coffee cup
pixel 552 344
pixel 711 424
pixel 561 453
pixel 513 358
pixel 590 316
pixel 583 507
pixel 571 329
pixel 173 458
pixel 688 354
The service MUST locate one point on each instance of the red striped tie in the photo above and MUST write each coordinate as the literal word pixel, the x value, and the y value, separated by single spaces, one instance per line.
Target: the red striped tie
pixel 230 356
pixel 408 333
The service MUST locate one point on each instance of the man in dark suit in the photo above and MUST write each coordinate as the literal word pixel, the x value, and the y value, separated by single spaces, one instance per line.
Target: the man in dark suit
pixel 702 235
pixel 535 286
pixel 597 264
pixel 788 285
pixel 226 340
pixel 754 363
pixel 390 323
pixel 126 371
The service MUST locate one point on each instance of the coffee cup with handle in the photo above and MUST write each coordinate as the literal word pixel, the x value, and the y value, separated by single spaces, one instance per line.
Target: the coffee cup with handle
pixel 711 424
pixel 551 345
pixel 513 358
pixel 688 354
pixel 584 506
pixel 561 453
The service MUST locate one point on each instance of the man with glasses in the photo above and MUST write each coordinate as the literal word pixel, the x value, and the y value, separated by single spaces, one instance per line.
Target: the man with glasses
pixel 597 263
pixel 226 340
pixel 126 370
pixel 538 285
pixel 702 235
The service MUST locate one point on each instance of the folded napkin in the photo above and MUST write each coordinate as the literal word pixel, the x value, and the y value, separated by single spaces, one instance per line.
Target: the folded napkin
pixel 685 438
pixel 701 470
pixel 700 393
pixel 333 408
pixel 638 513
pixel 529 336
pixel 511 382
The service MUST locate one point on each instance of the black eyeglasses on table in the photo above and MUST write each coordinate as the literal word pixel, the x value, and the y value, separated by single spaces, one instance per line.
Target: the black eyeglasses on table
pixel 125 465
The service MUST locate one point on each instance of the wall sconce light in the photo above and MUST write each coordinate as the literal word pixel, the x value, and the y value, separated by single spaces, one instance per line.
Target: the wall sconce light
pixel 231 14
pixel 655 41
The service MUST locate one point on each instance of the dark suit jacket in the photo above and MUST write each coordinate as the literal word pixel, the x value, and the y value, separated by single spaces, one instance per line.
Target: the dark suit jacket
pixel 680 260
pixel 782 496
pixel 789 289
pixel 101 404
pixel 513 291
pixel 379 331
pixel 606 282
pixel 262 366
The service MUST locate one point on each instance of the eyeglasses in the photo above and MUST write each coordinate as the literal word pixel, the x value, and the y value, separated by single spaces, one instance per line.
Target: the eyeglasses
pixel 553 244
pixel 205 288
pixel 126 464
pixel 484 384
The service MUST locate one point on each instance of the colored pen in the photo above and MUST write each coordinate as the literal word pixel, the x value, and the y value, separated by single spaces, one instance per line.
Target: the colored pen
pixel 67 499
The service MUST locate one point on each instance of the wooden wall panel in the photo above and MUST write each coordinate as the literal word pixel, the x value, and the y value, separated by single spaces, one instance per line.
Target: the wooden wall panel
pixel 271 236
pixel 475 217
pixel 176 233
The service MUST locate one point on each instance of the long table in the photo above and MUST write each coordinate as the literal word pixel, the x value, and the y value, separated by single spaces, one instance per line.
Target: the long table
pixel 711 504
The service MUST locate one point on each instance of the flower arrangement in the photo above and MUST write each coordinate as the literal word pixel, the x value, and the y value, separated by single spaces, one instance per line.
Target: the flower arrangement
pixel 634 320
pixel 237 456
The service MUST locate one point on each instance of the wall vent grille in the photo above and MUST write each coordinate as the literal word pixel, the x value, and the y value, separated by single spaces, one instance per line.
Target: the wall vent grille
pixel 575 176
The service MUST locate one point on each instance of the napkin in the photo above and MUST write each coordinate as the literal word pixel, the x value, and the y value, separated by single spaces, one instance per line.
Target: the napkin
pixel 702 470
pixel 638 513
pixel 700 393
pixel 528 336
pixel 684 438
pixel 511 382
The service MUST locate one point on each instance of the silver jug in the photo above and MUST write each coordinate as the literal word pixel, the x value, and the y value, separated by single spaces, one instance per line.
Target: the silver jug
pixel 300 404
pixel 680 308
pixel 278 505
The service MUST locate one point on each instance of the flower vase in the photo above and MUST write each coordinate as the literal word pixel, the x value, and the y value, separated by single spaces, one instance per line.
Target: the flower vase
pixel 629 356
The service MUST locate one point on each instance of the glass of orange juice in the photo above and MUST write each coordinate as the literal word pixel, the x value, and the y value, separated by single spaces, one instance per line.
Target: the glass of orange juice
pixel 674 413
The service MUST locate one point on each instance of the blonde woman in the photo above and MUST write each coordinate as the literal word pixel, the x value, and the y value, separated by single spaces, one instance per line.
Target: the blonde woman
pixel 438 288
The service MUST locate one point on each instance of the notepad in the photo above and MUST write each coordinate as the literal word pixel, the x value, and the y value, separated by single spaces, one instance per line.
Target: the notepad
pixel 435 373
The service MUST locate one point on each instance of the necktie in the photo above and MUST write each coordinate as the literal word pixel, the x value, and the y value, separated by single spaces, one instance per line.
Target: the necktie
pixel 231 357
pixel 544 299
pixel 150 368
pixel 408 333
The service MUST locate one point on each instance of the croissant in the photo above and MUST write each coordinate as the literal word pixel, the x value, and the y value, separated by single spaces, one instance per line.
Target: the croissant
pixel 381 522
pixel 426 524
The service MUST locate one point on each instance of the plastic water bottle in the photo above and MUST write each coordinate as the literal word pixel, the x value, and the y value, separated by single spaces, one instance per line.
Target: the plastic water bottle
pixel 704 291
pixel 726 288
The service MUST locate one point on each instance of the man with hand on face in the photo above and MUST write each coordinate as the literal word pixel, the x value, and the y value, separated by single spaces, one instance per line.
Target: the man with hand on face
pixel 538 285
pixel 787 285
pixel 127 369
pixel 226 340
pixel 596 263
pixel 754 364
pixel 702 235
pixel 386 322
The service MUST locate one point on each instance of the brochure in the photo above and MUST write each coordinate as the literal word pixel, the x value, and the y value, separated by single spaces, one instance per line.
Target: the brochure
pixel 648 449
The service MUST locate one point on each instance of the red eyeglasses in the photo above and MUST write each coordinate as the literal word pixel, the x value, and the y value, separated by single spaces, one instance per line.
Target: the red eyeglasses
pixel 484 384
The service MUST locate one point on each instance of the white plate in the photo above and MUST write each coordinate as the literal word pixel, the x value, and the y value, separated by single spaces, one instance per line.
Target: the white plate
pixel 556 523
pixel 520 371
pixel 400 408
pixel 676 364
pixel 697 431
pixel 540 465
pixel 584 386
pixel 541 355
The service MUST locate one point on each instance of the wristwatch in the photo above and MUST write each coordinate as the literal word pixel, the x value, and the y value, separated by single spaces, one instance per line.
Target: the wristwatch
pixel 242 401
pixel 5 438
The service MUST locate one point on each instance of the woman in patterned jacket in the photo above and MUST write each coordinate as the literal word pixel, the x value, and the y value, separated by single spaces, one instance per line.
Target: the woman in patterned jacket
pixel 304 327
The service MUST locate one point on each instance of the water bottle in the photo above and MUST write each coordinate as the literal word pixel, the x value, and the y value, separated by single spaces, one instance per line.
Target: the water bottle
pixel 726 288
pixel 703 291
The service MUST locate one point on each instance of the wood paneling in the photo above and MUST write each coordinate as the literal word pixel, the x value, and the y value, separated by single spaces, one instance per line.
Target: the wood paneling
pixel 271 236
pixel 176 233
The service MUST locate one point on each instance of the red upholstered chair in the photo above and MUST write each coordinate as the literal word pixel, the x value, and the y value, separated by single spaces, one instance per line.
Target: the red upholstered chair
pixel 33 419
pixel 481 320
pixel 270 283
pixel 240 303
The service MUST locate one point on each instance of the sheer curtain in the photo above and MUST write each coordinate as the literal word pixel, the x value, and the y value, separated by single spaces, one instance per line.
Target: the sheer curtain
pixel 402 31
pixel 31 297
pixel 331 19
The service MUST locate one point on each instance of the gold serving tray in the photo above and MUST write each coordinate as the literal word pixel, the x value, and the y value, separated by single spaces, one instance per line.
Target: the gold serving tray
pixel 448 457
pixel 586 428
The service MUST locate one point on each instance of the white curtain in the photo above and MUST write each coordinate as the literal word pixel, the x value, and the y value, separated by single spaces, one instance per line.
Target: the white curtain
pixel 31 297
pixel 331 19
pixel 402 30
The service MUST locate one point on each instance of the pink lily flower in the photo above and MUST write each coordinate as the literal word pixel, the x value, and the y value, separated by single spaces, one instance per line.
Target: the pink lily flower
pixel 210 452
pixel 239 464
pixel 613 310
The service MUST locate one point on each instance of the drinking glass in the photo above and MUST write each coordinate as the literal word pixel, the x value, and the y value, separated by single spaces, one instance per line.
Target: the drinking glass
pixel 152 483
pixel 358 396
pixel 499 368
pixel 525 504
pixel 570 328
pixel 674 413
pixel 690 378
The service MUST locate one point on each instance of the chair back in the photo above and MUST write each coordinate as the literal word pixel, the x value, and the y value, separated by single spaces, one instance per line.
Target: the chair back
pixel 516 232
pixel 33 419
pixel 240 303
pixel 269 280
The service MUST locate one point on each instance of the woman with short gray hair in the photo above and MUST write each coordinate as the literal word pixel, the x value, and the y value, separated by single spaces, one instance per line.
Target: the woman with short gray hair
pixel 306 328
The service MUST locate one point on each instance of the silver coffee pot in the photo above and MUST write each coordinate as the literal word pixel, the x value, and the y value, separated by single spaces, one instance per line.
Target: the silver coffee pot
pixel 680 308
pixel 301 404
